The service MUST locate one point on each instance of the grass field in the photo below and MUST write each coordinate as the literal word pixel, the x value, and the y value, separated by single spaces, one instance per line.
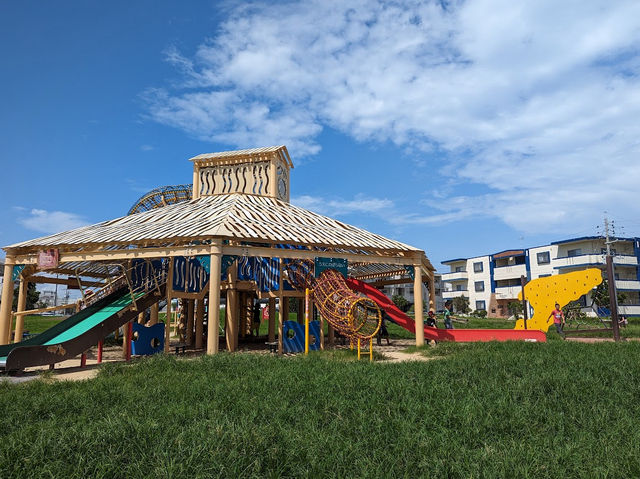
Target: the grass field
pixel 484 410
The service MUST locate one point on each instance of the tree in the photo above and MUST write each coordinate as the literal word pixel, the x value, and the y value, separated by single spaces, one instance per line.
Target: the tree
pixel 400 302
pixel 515 308
pixel 461 304
pixel 600 295
pixel 33 297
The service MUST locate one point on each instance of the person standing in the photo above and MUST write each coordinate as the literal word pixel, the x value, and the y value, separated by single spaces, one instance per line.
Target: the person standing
pixel 558 319
pixel 448 306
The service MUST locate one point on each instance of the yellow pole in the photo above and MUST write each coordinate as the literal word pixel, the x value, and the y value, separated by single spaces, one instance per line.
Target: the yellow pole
pixel 22 304
pixel 358 348
pixel 7 300
pixel 417 304
pixel 213 324
pixel 370 349
pixel 306 321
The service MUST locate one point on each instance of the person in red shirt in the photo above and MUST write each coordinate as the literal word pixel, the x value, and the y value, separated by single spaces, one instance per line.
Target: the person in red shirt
pixel 558 319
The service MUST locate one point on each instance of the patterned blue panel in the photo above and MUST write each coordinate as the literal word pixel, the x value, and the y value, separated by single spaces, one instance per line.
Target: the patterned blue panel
pixel 293 336
pixel 149 340
pixel 143 271
pixel 264 271
pixel 17 269
pixel 189 275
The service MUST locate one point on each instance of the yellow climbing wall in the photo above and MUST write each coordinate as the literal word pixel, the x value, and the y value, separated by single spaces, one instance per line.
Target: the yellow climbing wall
pixel 544 293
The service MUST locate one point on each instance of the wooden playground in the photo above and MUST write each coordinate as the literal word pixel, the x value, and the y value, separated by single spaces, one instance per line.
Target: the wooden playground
pixel 231 238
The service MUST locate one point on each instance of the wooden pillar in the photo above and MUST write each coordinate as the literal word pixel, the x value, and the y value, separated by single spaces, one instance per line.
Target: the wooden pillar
pixel 199 323
pixel 432 292
pixel 332 335
pixel 189 322
pixel 154 314
pixel 301 307
pixel 167 320
pixel 22 305
pixel 126 340
pixel 280 313
pixel 272 319
pixel 141 317
pixel 232 316
pixel 417 304
pixel 214 298
pixel 6 301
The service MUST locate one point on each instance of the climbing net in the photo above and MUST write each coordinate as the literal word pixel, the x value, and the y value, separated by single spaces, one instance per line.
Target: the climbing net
pixel 352 315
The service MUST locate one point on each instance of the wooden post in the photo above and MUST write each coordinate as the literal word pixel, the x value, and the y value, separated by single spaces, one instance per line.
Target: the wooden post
pixel 167 320
pixel 129 336
pixel 213 323
pixel 417 304
pixel 141 317
pixel 371 349
pixel 358 348
pixel 272 319
pixel 613 299
pixel 432 292
pixel 190 316
pixel 22 305
pixel 154 314
pixel 280 313
pixel 199 323
pixel 332 335
pixel 7 300
pixel 232 317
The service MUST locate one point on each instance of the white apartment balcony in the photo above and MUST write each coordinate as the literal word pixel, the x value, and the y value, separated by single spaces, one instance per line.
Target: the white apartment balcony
pixel 593 259
pixel 628 284
pixel 454 294
pixel 509 272
pixel 455 276
pixel 508 292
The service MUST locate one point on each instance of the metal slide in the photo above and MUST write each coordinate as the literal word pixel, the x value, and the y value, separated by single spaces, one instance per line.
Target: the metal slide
pixel 459 335
pixel 79 332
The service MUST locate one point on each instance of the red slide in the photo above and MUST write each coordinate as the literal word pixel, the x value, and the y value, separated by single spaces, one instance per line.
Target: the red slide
pixel 459 335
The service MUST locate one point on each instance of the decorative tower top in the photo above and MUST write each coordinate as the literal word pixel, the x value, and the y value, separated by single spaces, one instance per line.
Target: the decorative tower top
pixel 259 171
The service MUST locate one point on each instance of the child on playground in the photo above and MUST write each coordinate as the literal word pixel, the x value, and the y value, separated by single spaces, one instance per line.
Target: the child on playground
pixel 558 319
pixel 448 306
pixel 431 319
pixel 383 330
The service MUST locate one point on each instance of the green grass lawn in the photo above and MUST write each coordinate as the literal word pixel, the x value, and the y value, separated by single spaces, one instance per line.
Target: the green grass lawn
pixel 36 323
pixel 485 410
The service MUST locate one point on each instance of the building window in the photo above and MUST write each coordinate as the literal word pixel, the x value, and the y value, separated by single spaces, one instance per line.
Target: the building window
pixel 479 286
pixel 574 252
pixel 543 258
pixel 459 269
pixel 459 287
pixel 480 306
pixel 477 267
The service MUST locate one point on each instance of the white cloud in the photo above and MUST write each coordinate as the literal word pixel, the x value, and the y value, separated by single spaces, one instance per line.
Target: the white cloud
pixel 537 102
pixel 51 221
pixel 146 148
pixel 339 207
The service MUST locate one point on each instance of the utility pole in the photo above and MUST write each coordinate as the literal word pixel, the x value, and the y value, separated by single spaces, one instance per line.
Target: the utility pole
pixel 613 295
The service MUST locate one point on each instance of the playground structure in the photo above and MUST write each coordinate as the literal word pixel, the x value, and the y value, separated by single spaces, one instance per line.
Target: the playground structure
pixel 226 239
pixel 544 293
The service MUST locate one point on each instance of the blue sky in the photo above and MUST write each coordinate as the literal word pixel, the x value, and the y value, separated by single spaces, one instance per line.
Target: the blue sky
pixel 462 128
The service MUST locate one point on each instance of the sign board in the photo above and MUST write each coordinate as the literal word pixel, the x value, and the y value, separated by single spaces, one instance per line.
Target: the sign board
pixel 48 259
pixel 340 265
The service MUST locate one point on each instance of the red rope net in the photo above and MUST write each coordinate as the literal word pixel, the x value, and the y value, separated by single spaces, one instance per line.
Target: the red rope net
pixel 352 315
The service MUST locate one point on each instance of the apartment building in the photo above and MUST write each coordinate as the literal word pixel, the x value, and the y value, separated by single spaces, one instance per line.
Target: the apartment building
pixel 406 291
pixel 492 281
